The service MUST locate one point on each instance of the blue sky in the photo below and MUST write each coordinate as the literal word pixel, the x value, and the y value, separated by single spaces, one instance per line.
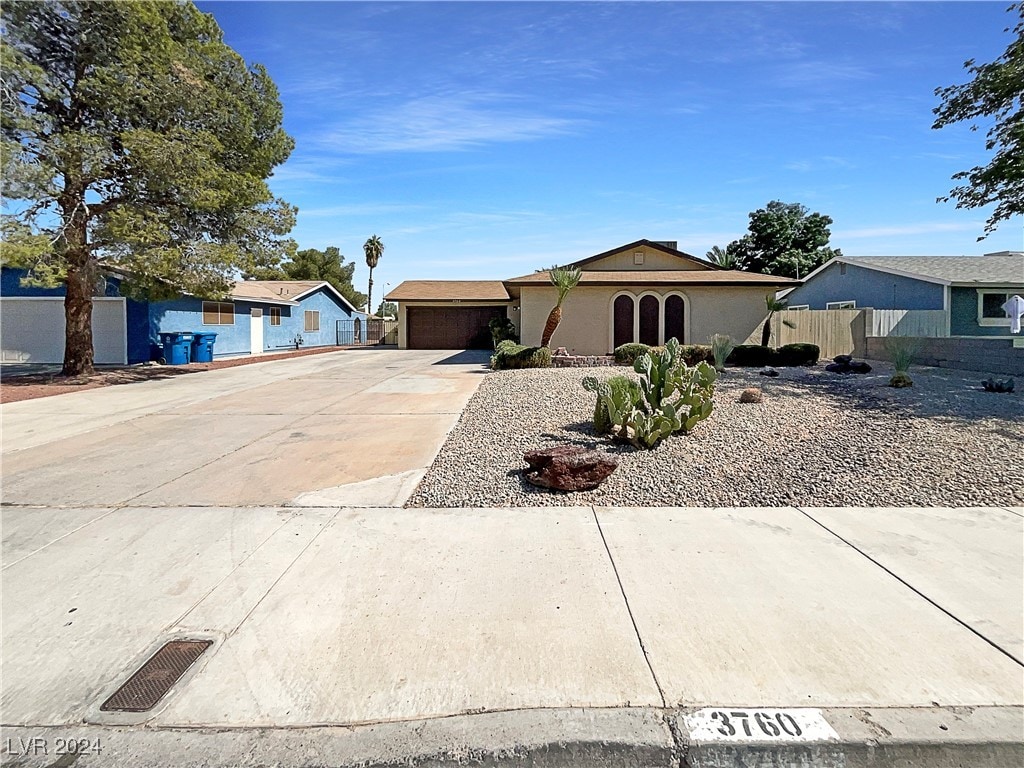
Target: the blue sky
pixel 486 140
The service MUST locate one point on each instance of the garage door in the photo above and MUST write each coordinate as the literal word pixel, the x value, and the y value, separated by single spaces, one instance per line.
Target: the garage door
pixel 32 330
pixel 451 327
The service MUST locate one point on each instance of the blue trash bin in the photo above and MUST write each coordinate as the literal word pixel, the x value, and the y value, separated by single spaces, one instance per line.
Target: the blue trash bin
pixel 202 347
pixel 176 346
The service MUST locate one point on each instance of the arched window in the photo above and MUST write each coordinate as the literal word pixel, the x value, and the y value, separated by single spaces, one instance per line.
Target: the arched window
pixel 650 311
pixel 623 322
pixel 674 323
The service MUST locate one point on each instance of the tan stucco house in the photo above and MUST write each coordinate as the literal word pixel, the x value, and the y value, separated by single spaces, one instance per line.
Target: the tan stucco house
pixel 646 291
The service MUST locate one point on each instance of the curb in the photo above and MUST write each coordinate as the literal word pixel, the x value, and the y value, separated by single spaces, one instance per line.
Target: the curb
pixel 934 737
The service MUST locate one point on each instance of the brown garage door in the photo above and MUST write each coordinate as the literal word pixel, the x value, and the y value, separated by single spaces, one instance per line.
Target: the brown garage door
pixel 451 327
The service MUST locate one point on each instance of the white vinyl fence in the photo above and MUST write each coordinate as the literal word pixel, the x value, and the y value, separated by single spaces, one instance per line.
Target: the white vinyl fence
pixel 929 323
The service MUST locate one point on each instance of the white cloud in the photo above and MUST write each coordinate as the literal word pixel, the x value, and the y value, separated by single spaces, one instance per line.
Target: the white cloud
pixel 443 123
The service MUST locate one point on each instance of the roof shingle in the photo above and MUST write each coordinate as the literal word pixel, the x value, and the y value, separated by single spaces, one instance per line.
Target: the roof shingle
pixel 449 290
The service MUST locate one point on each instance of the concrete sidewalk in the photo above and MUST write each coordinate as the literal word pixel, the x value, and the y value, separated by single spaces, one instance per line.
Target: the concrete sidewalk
pixel 561 636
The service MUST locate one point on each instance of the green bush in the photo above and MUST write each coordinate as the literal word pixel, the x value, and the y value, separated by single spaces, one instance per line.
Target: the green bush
pixel 627 354
pixel 502 329
pixel 797 354
pixel 506 345
pixel 622 389
pixel 901 379
pixel 510 355
pixel 751 356
pixel 692 354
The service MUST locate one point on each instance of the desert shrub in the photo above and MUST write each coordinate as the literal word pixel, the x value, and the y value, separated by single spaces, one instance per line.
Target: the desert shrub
pixel 511 355
pixel 752 356
pixel 901 351
pixel 901 379
pixel 691 354
pixel 502 329
pixel 797 354
pixel 626 354
pixel 506 345
pixel 722 346
pixel 622 389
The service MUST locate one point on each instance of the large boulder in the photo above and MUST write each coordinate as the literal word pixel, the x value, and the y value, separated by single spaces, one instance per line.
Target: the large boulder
pixel 568 467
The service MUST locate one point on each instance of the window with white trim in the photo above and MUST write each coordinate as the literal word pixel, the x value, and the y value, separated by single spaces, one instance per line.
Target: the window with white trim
pixel 311 320
pixel 839 305
pixel 218 313
pixel 990 307
pixel 799 306
pixel 275 315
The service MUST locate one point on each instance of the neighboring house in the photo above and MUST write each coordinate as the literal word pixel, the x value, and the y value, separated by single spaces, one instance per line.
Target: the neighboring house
pixel 258 316
pixel 969 289
pixel 645 291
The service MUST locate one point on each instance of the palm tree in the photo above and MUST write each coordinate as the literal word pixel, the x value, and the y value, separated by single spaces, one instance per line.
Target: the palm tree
pixel 773 305
pixel 564 279
pixel 721 257
pixel 374 249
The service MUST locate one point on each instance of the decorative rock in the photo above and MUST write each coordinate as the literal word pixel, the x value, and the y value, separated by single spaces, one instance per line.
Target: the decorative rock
pixel 846 364
pixel 993 385
pixel 751 395
pixel 769 372
pixel 561 352
pixel 568 467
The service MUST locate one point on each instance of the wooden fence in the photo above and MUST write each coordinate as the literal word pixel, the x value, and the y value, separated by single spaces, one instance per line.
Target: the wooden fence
pixel 845 331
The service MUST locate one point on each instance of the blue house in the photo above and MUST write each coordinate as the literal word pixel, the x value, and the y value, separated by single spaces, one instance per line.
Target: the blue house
pixel 970 289
pixel 257 317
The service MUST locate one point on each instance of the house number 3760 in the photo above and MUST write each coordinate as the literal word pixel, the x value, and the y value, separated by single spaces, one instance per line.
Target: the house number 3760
pixel 770 724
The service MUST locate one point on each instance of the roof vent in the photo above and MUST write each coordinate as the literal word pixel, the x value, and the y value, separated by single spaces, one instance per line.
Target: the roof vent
pixel 1005 253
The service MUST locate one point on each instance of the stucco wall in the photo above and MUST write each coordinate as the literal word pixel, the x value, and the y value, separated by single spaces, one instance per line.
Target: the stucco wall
pixel 653 259
pixel 403 329
pixel 586 314
pixel 867 287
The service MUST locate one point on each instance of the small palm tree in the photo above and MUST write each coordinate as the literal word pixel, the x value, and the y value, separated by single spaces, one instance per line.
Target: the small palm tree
pixel 374 249
pixel 564 279
pixel 773 305
pixel 722 258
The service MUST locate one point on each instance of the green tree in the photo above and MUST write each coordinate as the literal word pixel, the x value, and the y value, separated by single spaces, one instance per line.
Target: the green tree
pixel 784 239
pixel 329 265
pixel 564 279
pixel 721 257
pixel 387 309
pixel 996 93
pixel 133 136
pixel 373 248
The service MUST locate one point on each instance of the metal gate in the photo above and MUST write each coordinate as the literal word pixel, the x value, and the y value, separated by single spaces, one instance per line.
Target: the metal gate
pixel 368 333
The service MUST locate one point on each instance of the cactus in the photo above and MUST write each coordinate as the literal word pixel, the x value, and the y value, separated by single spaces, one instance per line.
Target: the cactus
pixel 622 394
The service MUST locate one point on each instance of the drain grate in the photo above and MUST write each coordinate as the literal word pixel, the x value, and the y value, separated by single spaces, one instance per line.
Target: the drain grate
pixel 154 678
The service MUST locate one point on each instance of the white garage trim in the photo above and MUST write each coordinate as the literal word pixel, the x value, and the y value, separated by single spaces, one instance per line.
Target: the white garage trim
pixel 22 342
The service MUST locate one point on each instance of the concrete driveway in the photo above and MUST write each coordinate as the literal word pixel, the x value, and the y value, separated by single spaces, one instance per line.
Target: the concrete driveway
pixel 356 428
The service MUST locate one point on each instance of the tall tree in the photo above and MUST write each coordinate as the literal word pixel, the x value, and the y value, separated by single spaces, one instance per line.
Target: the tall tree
pixel 784 239
pixel 996 93
pixel 721 257
pixel 564 279
pixel 387 309
pixel 329 265
pixel 374 249
pixel 133 135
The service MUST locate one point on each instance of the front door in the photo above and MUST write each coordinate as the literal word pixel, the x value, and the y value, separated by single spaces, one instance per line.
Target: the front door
pixel 256 332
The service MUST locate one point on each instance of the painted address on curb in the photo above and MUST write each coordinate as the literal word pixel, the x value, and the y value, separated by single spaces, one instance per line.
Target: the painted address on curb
pixel 729 724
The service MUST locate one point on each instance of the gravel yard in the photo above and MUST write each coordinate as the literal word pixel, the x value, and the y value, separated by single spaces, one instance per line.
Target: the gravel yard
pixel 818 439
